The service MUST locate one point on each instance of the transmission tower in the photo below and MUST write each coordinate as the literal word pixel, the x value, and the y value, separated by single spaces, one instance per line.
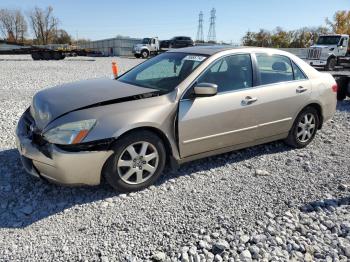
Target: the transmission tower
pixel 212 33
pixel 200 36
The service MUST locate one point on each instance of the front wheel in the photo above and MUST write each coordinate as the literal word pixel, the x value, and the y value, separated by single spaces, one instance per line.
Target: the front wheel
pixel 332 62
pixel 304 128
pixel 144 54
pixel 137 162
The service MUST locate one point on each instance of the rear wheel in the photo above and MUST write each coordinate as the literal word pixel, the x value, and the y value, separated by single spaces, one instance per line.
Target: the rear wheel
pixel 304 128
pixel 36 56
pixel 57 56
pixel 47 55
pixel 137 162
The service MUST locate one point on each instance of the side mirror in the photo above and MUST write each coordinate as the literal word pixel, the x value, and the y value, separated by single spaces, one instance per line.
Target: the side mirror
pixel 205 89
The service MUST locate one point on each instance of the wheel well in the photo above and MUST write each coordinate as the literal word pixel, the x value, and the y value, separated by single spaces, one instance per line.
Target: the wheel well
pixel 319 111
pixel 157 132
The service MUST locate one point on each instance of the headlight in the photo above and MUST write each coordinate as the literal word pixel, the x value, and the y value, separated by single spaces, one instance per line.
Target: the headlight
pixel 70 133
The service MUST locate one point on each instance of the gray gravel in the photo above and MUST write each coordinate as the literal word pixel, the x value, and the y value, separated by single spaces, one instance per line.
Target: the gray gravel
pixel 266 203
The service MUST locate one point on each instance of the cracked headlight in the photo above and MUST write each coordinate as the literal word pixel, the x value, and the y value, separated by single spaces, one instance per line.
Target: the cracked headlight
pixel 70 133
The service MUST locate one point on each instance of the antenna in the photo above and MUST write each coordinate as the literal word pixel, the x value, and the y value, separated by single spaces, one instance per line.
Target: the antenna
pixel 212 32
pixel 200 36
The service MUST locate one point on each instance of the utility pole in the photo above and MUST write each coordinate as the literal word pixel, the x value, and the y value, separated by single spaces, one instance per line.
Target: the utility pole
pixel 200 36
pixel 212 32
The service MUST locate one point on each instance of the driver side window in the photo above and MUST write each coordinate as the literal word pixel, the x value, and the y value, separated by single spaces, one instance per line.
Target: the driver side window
pixel 230 73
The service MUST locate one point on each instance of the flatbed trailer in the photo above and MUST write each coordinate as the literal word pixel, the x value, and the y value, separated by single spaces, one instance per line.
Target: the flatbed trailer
pixel 53 52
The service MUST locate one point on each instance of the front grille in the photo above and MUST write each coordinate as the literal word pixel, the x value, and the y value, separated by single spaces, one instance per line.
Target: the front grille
pixel 314 53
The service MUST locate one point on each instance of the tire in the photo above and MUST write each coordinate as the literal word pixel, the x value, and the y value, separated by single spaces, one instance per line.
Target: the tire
pixel 331 63
pixel 137 55
pixel 57 56
pixel 122 170
pixel 144 54
pixel 36 56
pixel 297 140
pixel 47 56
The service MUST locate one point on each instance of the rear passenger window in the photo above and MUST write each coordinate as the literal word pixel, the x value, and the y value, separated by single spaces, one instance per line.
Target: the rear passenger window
pixel 274 68
pixel 298 74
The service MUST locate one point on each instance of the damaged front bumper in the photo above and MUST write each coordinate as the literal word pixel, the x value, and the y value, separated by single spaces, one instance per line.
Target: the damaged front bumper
pixel 69 167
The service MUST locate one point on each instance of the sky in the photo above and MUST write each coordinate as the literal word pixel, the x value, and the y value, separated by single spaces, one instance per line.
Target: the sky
pixel 163 18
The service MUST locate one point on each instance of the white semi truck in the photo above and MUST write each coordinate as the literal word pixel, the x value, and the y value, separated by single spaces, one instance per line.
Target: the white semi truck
pixel 150 46
pixel 329 52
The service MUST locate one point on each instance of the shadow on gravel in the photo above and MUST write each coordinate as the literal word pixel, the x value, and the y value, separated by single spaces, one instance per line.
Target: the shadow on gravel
pixel 25 200
pixel 325 204
pixel 227 158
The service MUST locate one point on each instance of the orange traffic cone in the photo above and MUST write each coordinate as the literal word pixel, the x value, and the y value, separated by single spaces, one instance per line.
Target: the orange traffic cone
pixel 115 70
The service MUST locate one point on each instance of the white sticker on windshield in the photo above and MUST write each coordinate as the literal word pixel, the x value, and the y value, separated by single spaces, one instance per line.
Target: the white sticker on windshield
pixel 197 58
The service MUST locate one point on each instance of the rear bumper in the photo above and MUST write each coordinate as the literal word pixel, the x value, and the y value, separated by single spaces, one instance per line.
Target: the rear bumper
pixel 57 165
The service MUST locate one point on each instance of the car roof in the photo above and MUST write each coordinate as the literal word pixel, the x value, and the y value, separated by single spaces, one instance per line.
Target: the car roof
pixel 207 50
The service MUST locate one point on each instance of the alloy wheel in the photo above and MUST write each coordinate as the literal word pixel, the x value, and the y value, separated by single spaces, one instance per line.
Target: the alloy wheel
pixel 306 128
pixel 138 162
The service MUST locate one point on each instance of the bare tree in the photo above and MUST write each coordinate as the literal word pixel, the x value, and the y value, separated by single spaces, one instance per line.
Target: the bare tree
pixel 13 25
pixel 44 24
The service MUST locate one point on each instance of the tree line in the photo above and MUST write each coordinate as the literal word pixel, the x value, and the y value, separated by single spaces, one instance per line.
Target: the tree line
pixel 43 23
pixel 304 37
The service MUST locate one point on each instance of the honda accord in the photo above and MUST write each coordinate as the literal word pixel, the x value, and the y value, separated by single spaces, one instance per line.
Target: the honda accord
pixel 179 106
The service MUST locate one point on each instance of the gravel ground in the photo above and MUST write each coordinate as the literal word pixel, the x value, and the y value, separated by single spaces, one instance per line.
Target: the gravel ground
pixel 266 203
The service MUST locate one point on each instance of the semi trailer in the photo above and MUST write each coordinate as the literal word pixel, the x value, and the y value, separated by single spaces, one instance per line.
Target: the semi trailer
pixel 40 52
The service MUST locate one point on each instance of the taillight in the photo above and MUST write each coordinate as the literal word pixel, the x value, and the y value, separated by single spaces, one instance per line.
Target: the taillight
pixel 335 88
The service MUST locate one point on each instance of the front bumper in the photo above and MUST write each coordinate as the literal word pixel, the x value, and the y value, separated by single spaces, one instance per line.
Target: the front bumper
pixel 57 165
pixel 317 62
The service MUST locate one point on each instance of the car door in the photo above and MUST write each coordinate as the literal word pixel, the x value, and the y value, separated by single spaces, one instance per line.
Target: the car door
pixel 284 90
pixel 225 119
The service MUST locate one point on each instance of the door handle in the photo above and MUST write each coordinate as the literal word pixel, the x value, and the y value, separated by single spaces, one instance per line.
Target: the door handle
pixel 249 100
pixel 301 89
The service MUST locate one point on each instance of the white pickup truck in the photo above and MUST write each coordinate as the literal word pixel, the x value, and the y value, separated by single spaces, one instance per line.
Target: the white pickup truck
pixel 329 51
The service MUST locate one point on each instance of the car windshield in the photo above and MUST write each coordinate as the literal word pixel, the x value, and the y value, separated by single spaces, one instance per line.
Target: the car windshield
pixel 328 40
pixel 146 41
pixel 163 72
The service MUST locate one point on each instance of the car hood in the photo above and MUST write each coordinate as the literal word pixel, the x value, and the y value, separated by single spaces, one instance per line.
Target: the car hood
pixel 51 103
